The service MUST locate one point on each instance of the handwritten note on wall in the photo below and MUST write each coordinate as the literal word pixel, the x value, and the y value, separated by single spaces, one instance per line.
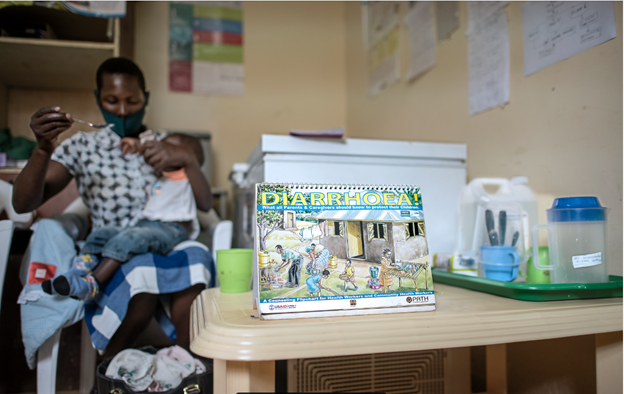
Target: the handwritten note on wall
pixel 488 56
pixel 382 44
pixel 556 30
pixel 422 43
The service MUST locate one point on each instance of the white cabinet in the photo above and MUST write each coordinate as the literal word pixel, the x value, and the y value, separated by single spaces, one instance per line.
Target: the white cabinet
pixel 439 169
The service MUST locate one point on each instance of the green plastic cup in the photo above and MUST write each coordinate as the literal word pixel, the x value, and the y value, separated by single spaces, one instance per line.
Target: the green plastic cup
pixel 234 268
pixel 537 276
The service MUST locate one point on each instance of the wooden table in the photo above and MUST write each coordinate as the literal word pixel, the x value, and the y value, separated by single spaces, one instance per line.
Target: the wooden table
pixel 244 348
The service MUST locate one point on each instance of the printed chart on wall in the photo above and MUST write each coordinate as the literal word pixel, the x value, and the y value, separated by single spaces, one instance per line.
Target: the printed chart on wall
pixel 422 44
pixel 488 56
pixel 331 250
pixel 381 40
pixel 206 48
pixel 556 30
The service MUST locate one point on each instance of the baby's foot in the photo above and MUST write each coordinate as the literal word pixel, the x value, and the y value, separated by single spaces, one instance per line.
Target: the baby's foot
pixel 85 263
pixel 73 284
pixel 47 287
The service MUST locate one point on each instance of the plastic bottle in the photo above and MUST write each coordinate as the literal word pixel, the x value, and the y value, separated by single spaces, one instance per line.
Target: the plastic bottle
pixel 511 191
pixel 519 187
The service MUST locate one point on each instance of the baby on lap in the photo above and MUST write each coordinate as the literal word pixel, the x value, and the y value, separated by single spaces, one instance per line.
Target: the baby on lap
pixel 169 217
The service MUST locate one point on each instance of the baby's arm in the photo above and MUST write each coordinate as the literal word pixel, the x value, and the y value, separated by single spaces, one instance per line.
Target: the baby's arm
pixel 199 184
pixel 129 145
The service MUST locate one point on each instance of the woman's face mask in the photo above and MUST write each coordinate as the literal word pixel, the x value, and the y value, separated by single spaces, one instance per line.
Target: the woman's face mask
pixel 127 126
pixel 122 103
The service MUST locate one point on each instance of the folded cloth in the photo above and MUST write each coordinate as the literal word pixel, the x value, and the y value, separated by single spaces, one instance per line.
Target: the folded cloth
pixel 51 254
pixel 183 357
pixel 190 263
pixel 134 367
pixel 153 372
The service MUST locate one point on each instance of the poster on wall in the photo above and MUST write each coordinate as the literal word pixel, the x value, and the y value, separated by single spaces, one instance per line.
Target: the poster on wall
pixel 422 44
pixel 206 48
pixel 554 31
pixel 381 36
pixel 488 56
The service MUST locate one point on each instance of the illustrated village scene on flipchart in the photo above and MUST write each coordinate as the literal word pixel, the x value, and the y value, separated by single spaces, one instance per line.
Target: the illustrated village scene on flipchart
pixel 309 251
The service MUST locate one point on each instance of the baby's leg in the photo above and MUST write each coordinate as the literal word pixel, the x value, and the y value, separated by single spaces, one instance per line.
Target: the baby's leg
pixel 115 250
pixel 147 237
pixel 108 242
pixel 86 286
pixel 84 264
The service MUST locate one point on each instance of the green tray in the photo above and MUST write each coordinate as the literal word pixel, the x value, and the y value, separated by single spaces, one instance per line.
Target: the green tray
pixel 533 292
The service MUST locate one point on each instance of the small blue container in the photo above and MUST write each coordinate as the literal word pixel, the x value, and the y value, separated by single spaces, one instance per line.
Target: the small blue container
pixel 500 262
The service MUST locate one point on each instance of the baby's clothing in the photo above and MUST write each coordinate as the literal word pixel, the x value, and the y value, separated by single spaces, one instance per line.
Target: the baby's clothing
pixel 166 220
pixel 148 236
pixel 172 200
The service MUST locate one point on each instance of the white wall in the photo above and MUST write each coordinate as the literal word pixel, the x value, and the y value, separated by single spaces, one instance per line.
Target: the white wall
pixel 562 127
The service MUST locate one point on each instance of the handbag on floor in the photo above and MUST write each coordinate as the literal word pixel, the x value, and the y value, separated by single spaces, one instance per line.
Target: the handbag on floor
pixel 193 384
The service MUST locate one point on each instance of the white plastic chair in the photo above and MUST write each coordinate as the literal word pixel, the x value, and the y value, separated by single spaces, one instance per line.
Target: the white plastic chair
pixel 6 235
pixel 221 239
pixel 21 220
pixel 7 226
pixel 47 355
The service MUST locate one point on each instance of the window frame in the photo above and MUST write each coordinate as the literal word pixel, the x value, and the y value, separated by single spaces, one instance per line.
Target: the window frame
pixel 418 229
pixel 373 231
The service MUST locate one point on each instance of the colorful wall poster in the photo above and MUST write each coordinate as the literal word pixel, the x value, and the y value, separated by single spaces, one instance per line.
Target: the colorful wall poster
pixel 206 48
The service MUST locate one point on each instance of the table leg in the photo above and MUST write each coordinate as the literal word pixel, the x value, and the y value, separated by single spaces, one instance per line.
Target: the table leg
pixel 232 377
pixel 262 374
pixel 496 368
pixel 609 363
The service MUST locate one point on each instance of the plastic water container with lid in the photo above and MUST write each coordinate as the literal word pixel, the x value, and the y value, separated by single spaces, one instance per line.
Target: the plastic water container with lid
pixel 577 240
pixel 498 193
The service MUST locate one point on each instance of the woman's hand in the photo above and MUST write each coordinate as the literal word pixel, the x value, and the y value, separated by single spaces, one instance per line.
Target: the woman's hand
pixel 161 155
pixel 47 124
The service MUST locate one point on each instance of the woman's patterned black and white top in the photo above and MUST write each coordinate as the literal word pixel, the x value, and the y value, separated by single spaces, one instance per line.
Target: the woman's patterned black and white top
pixel 114 186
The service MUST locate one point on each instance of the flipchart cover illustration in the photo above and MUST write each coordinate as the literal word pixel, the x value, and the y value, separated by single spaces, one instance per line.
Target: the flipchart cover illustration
pixel 323 250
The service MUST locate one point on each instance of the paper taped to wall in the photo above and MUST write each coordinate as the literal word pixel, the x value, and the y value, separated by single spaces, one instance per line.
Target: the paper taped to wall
pixel 554 30
pixel 488 56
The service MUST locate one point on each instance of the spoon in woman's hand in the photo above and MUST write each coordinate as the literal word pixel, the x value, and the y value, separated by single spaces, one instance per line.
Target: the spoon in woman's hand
pixel 95 126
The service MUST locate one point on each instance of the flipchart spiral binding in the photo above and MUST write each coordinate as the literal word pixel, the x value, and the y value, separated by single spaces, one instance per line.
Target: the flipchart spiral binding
pixel 339 186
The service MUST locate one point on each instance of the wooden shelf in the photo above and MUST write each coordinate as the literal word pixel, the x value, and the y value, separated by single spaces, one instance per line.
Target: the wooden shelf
pixel 53 64
pixel 58 43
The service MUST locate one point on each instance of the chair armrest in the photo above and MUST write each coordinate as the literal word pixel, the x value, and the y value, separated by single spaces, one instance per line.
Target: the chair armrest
pixel 75 220
pixel 21 220
pixel 221 237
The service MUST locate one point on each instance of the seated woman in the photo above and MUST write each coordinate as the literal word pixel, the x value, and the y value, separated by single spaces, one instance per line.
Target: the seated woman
pixel 114 186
